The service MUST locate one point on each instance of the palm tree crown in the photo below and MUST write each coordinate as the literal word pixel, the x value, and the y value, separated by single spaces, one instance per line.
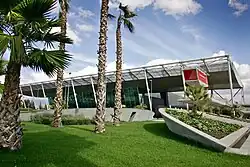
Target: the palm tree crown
pixel 24 24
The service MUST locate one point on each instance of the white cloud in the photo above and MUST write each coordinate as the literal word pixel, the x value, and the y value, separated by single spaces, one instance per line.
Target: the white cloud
pixel 73 35
pixel 178 7
pixel 238 6
pixel 194 32
pixel 140 4
pixel 220 53
pixel 70 33
pixel 80 57
pixel 160 61
pixel 80 14
pixel 85 13
pixel 85 27
pixel 169 7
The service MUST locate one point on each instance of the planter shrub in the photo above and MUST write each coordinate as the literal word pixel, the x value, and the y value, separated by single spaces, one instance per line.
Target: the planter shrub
pixel 47 119
pixel 214 128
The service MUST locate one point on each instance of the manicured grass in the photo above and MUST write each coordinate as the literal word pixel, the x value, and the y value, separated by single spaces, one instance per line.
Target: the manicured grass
pixel 147 144
pixel 214 128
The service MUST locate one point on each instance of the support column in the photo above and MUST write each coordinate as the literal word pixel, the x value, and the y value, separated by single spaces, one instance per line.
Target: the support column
pixel 143 98
pixel 73 87
pixel 148 91
pixel 183 81
pixel 31 90
pixel 68 97
pixel 44 95
pixel 230 82
pixel 93 88
pixel 24 104
pixel 184 86
pixel 164 96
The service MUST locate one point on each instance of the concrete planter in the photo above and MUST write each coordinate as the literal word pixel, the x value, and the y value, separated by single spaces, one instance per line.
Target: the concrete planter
pixel 182 129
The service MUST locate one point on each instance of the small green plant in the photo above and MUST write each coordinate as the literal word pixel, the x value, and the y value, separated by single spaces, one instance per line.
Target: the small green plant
pixel 199 97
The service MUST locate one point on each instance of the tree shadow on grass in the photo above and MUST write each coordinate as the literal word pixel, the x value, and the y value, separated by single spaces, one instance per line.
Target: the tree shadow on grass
pixel 52 148
pixel 82 128
pixel 160 129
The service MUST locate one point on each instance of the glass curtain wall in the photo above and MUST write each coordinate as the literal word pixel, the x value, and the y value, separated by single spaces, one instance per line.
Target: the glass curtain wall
pixel 85 98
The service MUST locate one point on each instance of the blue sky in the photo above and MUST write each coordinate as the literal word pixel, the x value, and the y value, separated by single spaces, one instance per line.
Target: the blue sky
pixel 165 31
pixel 177 34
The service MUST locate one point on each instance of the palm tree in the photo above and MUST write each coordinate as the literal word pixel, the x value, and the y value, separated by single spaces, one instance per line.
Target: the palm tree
pixel 124 18
pixel 199 97
pixel 24 24
pixel 57 122
pixel 101 85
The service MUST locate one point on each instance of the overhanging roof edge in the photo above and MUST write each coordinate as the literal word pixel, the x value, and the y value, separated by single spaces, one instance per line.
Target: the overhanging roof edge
pixel 236 74
pixel 128 70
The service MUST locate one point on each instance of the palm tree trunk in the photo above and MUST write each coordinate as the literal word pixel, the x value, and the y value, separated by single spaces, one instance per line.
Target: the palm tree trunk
pixel 57 122
pixel 101 91
pixel 10 124
pixel 118 83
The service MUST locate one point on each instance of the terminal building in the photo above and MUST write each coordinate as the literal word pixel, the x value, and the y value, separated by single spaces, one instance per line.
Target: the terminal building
pixel 151 85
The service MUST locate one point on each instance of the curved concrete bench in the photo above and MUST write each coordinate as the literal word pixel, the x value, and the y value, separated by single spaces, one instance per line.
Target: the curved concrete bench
pixel 185 130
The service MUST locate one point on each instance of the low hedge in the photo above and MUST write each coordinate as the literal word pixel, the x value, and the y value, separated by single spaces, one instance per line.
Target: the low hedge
pixel 47 119
pixel 214 128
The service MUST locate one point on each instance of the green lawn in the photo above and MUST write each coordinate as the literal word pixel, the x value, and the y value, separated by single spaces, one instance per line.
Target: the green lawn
pixel 147 144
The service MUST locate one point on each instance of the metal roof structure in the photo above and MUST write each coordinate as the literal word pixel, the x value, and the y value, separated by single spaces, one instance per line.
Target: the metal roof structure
pixel 165 77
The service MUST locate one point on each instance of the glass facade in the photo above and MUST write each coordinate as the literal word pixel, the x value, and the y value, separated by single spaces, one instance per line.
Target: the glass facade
pixel 85 97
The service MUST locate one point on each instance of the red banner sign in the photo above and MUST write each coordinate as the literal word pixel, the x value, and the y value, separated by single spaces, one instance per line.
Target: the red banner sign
pixel 195 77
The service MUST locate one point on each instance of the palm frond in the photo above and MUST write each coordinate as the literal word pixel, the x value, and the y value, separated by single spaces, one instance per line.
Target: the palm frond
pixel 3 66
pixel 35 10
pixel 7 5
pixel 49 38
pixel 47 61
pixel 127 12
pixel 4 41
pixel 111 16
pixel 129 25
pixel 1 88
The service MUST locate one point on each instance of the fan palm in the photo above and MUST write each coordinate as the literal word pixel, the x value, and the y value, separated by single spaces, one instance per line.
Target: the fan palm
pixel 199 97
pixel 124 18
pixel 24 24
pixel 102 59
pixel 57 122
